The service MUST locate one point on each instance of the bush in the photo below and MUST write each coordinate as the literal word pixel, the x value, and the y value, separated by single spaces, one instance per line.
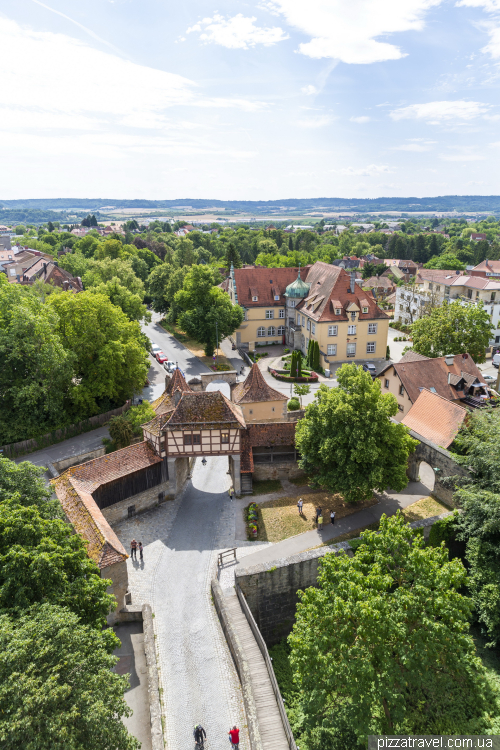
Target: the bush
pixel 293 404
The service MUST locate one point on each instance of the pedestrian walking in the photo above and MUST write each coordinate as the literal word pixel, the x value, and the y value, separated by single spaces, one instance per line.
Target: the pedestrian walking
pixel 133 549
pixel 299 505
pixel 320 522
pixel 234 736
pixel 318 513
pixel 140 551
pixel 332 517
pixel 231 492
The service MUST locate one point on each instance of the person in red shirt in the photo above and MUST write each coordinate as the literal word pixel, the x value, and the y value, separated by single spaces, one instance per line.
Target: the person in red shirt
pixel 234 734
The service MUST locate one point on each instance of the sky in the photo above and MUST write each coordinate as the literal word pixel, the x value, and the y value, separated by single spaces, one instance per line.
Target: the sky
pixel 249 100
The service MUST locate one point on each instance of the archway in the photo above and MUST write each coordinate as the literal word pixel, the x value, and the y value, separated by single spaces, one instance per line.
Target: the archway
pixel 426 475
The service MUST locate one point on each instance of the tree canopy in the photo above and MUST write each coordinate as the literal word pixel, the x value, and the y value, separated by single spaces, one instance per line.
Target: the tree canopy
pixel 23 482
pixel 347 441
pixel 453 328
pixel 382 645
pixel 201 305
pixel 57 690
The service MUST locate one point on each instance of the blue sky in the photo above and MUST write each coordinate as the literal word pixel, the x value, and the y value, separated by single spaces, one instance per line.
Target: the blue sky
pixel 249 100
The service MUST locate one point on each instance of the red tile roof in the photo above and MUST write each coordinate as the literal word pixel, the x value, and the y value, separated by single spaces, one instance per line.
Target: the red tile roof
pixel 93 474
pixel 435 418
pixel 255 388
pixel 206 408
pixel 330 289
pixel 103 546
pixel 263 283
pixel 433 373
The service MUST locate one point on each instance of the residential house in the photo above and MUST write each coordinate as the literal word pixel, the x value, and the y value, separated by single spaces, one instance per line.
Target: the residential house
pixel 407 268
pixel 429 290
pixel 487 269
pixel 455 378
pixel 348 264
pixel 478 236
pixel 28 266
pixel 382 285
pixel 435 418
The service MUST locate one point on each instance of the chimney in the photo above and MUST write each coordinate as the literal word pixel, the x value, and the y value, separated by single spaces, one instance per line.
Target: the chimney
pixel 177 396
pixel 449 359
pixel 353 281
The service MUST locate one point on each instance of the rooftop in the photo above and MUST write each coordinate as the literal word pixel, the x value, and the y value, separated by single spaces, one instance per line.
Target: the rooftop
pixel 265 284
pixel 205 407
pixel 255 388
pixel 435 418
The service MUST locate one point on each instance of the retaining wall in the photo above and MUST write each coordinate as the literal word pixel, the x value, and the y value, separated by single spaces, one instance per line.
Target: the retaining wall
pixel 440 459
pixel 143 501
pixel 287 470
pixel 271 588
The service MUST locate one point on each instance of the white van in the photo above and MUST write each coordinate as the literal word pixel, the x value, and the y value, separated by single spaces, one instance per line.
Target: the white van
pixel 495 360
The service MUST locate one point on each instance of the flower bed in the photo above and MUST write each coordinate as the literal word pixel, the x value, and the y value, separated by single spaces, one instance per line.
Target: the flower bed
pixel 221 368
pixel 251 519
pixel 312 378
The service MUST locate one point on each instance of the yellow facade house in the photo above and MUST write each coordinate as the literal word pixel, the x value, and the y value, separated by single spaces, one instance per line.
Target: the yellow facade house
pixel 257 400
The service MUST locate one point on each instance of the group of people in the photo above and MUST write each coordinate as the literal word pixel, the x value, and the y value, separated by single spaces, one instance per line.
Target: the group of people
pixel 200 736
pixel 134 546
pixel 319 514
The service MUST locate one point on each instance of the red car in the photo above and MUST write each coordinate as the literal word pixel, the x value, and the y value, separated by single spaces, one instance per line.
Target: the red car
pixel 161 357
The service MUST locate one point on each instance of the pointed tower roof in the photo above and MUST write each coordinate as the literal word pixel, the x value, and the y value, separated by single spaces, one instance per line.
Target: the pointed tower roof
pixel 255 388
pixel 165 402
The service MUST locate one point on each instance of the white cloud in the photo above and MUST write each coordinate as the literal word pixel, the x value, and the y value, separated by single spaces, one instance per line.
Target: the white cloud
pixel 315 122
pixel 493 30
pixel 361 119
pixel 238 32
pixel 348 30
pixel 415 144
pixel 437 112
pixel 310 90
pixel 463 153
pixel 369 171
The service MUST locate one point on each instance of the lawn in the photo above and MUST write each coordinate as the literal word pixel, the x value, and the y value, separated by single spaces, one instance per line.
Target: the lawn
pixel 194 346
pixel 424 508
pixel 266 486
pixel 279 518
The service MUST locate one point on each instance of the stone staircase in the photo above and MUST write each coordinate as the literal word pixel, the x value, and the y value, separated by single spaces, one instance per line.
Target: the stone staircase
pixel 246 484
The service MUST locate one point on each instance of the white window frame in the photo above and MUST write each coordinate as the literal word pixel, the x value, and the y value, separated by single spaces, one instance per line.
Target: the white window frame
pixel 351 330
pixel 333 330
pixel 372 327
pixel 276 297
pixel 298 319
pixel 308 324
pixel 303 320
pixel 370 347
pixel 269 314
pixel 351 350
pixel 313 327
pixel 386 383
pixel 281 330
pixel 254 299
pixel 271 331
pixel 281 313
pixel 365 310
pixel 331 350
pixel 291 303
pixel 261 332
pixel 337 311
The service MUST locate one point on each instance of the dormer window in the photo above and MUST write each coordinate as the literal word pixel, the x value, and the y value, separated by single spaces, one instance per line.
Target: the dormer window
pixel 276 297
pixel 337 311
pixel 254 299
pixel 365 310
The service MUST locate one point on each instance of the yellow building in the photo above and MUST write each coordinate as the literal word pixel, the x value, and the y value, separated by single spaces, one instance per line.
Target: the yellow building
pixel 257 400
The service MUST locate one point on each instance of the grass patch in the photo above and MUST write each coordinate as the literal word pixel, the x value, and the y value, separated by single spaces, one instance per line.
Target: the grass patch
pixel 302 481
pixel 279 518
pixel 424 508
pixel 266 486
pixel 194 346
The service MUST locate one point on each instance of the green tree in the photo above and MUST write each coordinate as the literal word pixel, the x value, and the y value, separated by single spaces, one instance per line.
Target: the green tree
pixel 347 440
pixel 42 560
pixel 110 361
pixel 301 389
pixel 75 263
pixel 139 415
pixel 382 645
pixel 163 284
pixel 232 256
pixel 20 229
pixel 36 371
pixel 23 482
pixel 120 432
pixel 57 687
pixel 109 249
pixel 101 271
pixel 453 328
pixel 202 305
pixel 119 295
pixel 446 261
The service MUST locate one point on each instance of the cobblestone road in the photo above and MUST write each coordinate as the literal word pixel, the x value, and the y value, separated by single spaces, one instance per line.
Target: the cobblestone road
pixel 180 540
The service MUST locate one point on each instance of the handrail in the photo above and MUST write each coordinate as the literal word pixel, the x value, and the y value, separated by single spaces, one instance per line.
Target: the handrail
pixel 220 561
pixel 263 649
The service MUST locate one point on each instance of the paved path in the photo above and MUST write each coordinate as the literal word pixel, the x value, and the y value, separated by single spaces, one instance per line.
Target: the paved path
pixel 180 541
pixel 389 503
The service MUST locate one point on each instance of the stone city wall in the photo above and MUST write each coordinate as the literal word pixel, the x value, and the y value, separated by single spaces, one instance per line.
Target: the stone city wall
pixel 229 376
pixel 440 459
pixel 286 470
pixel 143 501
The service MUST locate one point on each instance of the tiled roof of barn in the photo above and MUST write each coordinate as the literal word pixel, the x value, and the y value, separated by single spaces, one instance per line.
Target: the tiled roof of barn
pixel 210 407
pixel 91 475
pixel 255 388
pixel 103 546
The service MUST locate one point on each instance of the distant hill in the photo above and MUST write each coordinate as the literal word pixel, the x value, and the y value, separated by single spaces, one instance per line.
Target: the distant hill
pixel 460 203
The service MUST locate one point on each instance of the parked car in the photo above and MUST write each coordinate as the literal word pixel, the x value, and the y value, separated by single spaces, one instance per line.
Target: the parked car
pixel 161 357
pixel 369 367
pixel 155 349
pixel 489 379
pixel 169 366
pixel 495 361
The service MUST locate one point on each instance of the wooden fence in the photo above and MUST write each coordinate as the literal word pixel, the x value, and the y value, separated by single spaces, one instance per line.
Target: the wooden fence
pixel 56 436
